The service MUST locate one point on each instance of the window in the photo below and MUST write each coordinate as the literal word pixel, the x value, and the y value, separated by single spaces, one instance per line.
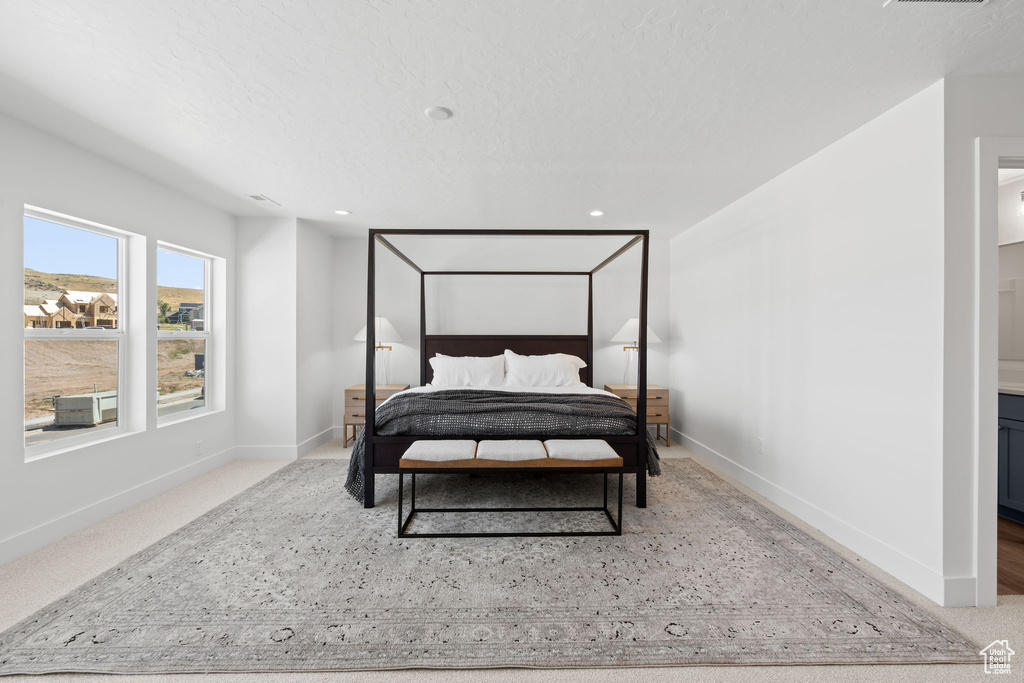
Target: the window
pixel 74 340
pixel 183 335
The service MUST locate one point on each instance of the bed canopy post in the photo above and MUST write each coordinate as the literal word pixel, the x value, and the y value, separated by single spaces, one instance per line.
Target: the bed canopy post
pixel 641 378
pixel 423 329
pixel 371 374
pixel 590 325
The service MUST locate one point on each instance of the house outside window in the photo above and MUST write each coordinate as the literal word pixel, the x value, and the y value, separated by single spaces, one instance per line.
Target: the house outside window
pixel 183 337
pixel 74 351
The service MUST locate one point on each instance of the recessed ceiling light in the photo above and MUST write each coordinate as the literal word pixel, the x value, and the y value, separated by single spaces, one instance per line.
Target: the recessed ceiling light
pixel 438 113
pixel 595 213
pixel 342 212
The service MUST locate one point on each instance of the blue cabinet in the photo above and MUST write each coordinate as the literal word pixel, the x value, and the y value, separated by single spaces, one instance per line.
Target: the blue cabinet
pixel 1011 457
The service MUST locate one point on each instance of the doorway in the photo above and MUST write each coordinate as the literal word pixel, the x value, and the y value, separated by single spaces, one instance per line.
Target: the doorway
pixel 999 401
pixel 1010 472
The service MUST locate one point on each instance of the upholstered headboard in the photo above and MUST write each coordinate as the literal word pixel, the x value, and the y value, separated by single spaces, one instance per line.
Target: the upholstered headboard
pixel 495 345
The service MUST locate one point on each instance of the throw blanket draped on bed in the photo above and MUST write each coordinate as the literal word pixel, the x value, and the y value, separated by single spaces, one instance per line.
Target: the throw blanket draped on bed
pixel 458 412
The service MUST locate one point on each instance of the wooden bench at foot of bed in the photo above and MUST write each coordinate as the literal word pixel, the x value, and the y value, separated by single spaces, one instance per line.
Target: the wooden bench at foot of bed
pixel 577 456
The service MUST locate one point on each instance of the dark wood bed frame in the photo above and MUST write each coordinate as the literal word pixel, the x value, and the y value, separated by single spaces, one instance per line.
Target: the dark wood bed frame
pixel 382 453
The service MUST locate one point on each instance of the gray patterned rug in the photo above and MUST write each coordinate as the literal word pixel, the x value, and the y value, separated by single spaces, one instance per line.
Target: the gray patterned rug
pixel 293 575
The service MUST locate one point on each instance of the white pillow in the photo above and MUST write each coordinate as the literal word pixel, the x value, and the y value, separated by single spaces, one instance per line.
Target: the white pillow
pixel 467 371
pixel 552 370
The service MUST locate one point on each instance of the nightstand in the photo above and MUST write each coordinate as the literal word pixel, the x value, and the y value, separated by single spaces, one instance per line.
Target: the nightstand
pixel 355 405
pixel 657 405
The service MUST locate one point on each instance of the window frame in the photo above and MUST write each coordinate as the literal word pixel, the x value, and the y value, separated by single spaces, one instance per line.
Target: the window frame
pixel 206 335
pixel 118 334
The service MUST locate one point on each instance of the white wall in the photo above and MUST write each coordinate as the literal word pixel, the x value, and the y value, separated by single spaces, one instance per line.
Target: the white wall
pixel 45 499
pixel 497 304
pixel 314 331
pixel 398 300
pixel 1011 283
pixel 617 298
pixel 1011 222
pixel 1011 311
pixel 266 311
pixel 348 297
pixel 809 314
pixel 286 377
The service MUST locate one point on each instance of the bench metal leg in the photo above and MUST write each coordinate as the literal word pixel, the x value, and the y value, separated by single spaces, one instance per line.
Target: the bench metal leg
pixel 616 522
pixel 605 489
pixel 404 521
pixel 403 524
pixel 641 486
pixel 620 503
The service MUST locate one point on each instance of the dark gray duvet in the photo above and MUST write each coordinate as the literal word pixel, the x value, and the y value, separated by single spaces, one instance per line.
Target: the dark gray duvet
pixel 480 412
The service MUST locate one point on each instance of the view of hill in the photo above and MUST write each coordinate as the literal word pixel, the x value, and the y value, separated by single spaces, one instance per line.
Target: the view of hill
pixel 177 295
pixel 40 286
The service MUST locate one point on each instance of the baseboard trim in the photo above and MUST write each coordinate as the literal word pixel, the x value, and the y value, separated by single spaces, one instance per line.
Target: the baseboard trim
pixel 314 442
pixel 285 452
pixel 40 536
pixel 945 591
pixel 960 591
pixel 339 432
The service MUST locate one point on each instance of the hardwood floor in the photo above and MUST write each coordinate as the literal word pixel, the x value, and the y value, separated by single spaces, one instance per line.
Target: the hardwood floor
pixel 1010 558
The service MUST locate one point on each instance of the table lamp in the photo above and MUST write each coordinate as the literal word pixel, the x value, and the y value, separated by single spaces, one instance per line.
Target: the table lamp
pixel 630 333
pixel 385 335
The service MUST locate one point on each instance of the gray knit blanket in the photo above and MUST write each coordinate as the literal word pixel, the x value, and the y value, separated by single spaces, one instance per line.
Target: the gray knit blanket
pixel 460 412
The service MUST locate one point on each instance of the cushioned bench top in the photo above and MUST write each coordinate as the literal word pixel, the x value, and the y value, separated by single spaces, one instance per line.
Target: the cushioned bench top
pixel 441 450
pixel 511 450
pixel 477 463
pixel 509 454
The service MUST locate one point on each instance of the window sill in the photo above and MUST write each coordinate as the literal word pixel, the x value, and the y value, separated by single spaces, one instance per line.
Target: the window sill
pixel 74 443
pixel 186 416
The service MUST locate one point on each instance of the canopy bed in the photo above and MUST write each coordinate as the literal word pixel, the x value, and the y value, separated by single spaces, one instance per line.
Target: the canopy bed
pixel 566 411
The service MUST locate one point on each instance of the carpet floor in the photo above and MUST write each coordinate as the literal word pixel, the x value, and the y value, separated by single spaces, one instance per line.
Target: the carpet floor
pixel 292 575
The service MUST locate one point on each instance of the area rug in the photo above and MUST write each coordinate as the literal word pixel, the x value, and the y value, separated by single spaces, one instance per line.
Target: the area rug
pixel 294 575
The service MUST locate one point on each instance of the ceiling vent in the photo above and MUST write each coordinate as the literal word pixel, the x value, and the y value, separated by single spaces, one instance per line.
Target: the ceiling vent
pixel 262 198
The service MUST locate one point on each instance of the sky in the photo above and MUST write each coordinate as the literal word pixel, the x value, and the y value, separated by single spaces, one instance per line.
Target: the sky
pixel 177 270
pixel 54 248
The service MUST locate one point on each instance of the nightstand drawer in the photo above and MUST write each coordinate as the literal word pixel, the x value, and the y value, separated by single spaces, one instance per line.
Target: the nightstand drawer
pixel 659 396
pixel 655 393
pixel 660 401
pixel 359 397
pixel 359 401
pixel 355 404
pixel 356 395
pixel 657 404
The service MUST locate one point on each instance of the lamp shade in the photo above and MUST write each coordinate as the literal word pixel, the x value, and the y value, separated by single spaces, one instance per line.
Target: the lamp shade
pixel 385 332
pixel 630 333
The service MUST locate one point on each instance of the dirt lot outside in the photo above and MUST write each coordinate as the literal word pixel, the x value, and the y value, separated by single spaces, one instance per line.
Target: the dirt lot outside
pixel 68 367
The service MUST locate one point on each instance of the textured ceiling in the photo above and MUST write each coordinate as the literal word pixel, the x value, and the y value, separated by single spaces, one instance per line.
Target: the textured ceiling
pixel 659 113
